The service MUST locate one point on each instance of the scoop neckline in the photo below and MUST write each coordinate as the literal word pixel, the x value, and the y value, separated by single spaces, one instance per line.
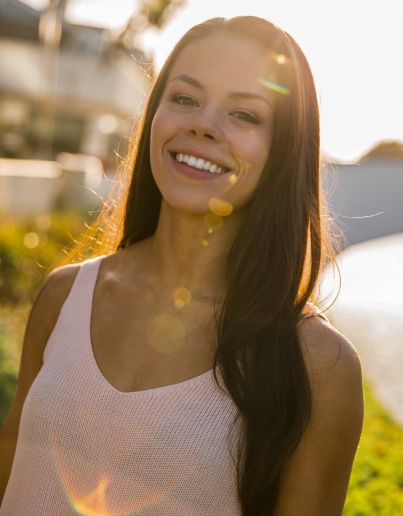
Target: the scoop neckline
pixel 163 389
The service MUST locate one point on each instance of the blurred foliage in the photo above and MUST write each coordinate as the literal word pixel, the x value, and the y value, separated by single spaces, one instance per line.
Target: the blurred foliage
pixel 12 325
pixel 30 249
pixel 150 14
pixel 158 12
pixel 386 149
pixel 376 485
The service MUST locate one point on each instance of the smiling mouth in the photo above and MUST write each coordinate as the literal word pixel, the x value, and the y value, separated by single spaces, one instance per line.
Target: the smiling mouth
pixel 201 164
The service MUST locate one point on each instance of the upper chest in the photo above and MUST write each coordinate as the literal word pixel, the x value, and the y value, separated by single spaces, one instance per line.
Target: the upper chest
pixel 142 341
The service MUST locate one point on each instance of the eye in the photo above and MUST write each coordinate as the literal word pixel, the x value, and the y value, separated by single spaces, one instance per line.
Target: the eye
pixel 246 117
pixel 183 100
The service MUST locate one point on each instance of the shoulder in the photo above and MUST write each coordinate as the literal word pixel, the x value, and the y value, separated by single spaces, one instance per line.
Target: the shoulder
pixel 327 351
pixel 334 370
pixel 46 307
pixel 55 288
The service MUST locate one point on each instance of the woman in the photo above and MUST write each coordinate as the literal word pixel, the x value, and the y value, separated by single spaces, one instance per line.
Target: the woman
pixel 188 371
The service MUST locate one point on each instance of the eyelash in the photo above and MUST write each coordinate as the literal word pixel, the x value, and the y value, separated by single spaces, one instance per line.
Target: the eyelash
pixel 175 98
pixel 250 118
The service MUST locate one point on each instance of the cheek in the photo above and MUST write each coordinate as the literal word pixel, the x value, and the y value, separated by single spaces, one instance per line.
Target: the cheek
pixel 263 145
pixel 159 127
pixel 253 153
pixel 155 129
pixel 158 138
pixel 155 145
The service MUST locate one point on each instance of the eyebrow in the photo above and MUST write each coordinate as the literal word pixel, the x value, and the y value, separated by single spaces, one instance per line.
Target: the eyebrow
pixel 235 95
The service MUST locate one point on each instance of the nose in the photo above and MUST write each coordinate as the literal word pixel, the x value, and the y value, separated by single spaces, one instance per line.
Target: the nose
pixel 206 125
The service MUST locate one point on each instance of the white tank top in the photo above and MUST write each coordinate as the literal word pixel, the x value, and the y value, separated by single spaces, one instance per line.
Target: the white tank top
pixel 86 448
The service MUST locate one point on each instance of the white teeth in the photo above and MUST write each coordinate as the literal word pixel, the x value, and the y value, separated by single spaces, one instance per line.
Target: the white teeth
pixel 199 163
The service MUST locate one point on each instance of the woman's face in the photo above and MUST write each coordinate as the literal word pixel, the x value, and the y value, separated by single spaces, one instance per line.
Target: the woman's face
pixel 215 110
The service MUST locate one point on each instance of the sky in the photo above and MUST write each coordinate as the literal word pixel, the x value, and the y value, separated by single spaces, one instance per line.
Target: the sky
pixel 354 48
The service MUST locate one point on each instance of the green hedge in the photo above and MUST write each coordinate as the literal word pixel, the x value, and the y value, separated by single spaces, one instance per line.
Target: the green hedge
pixel 29 249
pixel 13 320
pixel 376 486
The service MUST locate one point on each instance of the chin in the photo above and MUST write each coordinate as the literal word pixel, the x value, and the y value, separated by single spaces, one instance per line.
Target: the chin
pixel 187 205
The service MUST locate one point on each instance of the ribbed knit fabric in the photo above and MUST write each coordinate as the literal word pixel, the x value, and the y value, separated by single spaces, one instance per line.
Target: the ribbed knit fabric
pixel 86 448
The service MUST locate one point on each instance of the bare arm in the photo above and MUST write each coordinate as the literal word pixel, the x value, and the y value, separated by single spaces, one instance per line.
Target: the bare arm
pixel 315 479
pixel 41 321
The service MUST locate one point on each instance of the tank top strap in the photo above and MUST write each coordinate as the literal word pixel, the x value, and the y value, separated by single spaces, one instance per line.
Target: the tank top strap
pixel 74 317
pixel 82 290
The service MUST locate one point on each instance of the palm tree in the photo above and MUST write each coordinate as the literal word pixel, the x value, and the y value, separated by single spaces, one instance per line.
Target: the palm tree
pixel 151 14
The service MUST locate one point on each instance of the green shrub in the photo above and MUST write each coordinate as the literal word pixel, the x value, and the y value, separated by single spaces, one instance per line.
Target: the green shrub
pixel 30 249
pixel 13 320
pixel 376 484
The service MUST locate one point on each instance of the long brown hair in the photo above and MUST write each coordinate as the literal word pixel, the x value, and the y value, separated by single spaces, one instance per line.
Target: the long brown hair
pixel 272 266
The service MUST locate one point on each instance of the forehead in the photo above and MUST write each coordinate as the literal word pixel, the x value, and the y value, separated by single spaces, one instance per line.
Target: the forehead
pixel 227 59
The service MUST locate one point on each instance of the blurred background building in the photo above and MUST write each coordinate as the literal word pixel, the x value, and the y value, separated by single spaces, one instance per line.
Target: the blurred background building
pixel 66 92
pixel 68 96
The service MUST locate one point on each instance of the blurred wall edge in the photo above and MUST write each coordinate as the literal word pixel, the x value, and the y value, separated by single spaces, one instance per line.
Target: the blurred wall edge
pixel 365 198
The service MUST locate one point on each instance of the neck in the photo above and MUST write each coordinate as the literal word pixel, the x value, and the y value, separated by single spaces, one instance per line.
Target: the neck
pixel 189 251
